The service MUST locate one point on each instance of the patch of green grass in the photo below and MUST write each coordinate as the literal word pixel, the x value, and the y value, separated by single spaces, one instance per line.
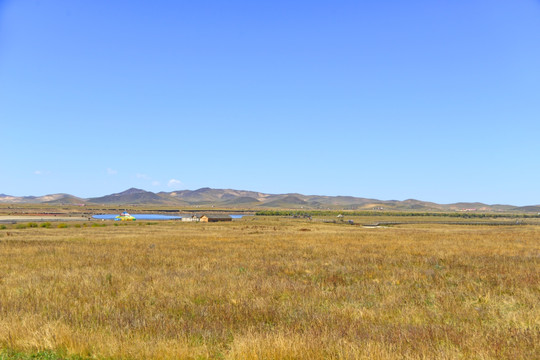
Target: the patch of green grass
pixel 62 226
pixel 32 225
pixel 8 354
pixel 21 226
pixel 45 225
pixel 3 227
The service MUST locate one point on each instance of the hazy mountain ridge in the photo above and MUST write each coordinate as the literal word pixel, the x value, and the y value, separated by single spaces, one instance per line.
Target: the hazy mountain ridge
pixel 257 200
pixel 51 198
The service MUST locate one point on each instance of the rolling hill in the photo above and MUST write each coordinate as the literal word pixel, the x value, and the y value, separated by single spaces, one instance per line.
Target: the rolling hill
pixel 130 196
pixel 230 198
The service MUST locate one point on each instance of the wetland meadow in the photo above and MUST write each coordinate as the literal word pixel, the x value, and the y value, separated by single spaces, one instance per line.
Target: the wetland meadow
pixel 269 288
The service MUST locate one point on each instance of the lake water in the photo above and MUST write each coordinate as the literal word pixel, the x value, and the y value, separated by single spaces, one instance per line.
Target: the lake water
pixel 150 217
pixel 139 217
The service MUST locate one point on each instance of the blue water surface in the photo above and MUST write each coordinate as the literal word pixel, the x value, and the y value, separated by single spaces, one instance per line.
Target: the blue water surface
pixel 152 216
pixel 139 217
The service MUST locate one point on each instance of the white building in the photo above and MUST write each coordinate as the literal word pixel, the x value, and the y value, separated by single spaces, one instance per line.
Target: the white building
pixel 190 218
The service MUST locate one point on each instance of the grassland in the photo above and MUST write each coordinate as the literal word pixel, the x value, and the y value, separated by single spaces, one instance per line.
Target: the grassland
pixel 269 288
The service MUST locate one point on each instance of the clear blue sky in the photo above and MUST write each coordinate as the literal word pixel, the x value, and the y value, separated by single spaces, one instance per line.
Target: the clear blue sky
pixel 433 100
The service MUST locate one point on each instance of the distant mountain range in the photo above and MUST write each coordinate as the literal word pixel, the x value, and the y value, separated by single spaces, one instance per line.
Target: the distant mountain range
pixel 228 198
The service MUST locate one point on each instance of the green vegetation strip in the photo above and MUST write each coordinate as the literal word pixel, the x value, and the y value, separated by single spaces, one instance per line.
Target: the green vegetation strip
pixel 392 213
pixel 8 354
pixel 485 223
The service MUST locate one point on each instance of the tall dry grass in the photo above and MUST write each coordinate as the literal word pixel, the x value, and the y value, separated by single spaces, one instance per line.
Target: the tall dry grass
pixel 272 289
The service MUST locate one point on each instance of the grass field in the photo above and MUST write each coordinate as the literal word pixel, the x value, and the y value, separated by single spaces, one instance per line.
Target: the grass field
pixel 269 288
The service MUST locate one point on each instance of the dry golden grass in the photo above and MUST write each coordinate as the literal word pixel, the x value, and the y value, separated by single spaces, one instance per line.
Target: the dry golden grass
pixel 272 289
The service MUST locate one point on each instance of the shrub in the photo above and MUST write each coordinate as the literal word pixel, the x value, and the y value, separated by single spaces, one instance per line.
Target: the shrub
pixel 32 225
pixel 20 226
pixel 62 226
pixel 3 227
pixel 45 225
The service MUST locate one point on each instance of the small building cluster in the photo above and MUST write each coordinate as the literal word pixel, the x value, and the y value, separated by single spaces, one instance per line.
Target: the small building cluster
pixel 206 218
